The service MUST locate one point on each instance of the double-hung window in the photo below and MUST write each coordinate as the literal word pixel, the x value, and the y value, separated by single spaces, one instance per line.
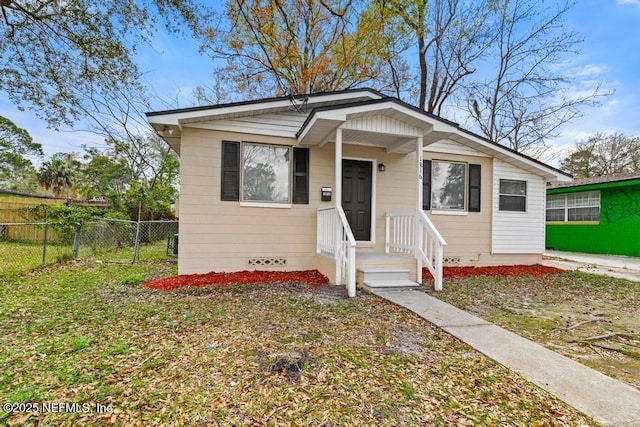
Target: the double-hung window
pixel 583 206
pixel 264 173
pixel 450 186
pixel 513 195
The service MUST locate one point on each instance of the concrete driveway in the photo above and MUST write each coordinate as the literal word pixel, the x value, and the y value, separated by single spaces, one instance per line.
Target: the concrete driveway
pixel 608 265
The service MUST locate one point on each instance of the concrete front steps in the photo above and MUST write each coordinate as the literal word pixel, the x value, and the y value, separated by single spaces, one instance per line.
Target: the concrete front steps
pixel 385 271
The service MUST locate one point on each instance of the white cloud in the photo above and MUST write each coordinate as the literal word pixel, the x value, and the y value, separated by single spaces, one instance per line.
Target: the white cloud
pixel 633 2
pixel 589 70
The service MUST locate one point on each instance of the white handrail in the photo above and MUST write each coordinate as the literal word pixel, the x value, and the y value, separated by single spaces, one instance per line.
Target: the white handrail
pixel 430 248
pixel 423 242
pixel 335 239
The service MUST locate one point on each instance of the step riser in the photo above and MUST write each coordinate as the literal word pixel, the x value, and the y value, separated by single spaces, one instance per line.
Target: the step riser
pixel 393 284
pixel 396 278
pixel 383 275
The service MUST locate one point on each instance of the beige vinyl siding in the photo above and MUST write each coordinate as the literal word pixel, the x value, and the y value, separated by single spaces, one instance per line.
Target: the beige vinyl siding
pixel 222 235
pixel 519 232
pixel 468 234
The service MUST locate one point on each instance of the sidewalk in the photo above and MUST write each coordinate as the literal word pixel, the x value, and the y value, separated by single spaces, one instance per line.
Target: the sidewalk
pixel 609 265
pixel 607 401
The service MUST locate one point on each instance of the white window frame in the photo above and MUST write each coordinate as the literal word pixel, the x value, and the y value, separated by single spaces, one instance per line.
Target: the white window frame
pixel 566 206
pixel 266 203
pixel 465 190
pixel 524 196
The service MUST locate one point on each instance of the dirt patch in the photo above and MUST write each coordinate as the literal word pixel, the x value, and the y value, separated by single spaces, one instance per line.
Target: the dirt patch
pixel 290 365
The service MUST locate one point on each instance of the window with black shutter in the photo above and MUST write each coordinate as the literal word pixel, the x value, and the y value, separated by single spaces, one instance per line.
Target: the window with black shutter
pixel 263 173
pixel 451 186
pixel 230 189
pixel 426 185
pixel 475 176
pixel 301 176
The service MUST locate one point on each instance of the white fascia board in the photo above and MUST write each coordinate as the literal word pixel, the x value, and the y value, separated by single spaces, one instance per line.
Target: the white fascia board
pixel 546 172
pixel 257 108
pixel 313 120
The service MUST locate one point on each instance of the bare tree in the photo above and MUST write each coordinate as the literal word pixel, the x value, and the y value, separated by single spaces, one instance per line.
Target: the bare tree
pixel 603 154
pixel 525 96
pixel 449 38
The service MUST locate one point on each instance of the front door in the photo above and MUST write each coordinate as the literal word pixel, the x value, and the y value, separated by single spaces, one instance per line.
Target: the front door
pixel 356 196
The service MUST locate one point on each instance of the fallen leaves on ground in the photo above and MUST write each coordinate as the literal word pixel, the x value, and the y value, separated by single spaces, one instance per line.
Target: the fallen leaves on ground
pixel 590 318
pixel 208 356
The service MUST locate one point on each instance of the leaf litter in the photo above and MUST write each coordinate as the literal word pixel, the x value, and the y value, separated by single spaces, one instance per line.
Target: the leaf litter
pixel 590 318
pixel 282 356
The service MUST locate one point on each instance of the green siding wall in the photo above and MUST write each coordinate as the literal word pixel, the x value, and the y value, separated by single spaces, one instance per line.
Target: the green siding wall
pixel 618 232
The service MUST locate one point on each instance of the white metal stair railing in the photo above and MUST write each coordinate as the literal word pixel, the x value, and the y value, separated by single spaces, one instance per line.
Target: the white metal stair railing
pixel 335 239
pixel 423 242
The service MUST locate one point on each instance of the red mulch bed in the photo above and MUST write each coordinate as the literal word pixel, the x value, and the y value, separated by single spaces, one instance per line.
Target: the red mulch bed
pixel 309 277
pixel 499 270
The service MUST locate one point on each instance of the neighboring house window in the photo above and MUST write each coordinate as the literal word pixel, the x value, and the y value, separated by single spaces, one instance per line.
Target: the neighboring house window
pixel 264 173
pixel 513 195
pixel 574 207
pixel 451 186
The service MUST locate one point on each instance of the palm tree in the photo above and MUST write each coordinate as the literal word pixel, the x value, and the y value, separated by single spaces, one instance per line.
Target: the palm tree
pixel 57 175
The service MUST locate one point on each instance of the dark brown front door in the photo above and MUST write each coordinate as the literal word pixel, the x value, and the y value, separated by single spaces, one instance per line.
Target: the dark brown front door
pixel 356 196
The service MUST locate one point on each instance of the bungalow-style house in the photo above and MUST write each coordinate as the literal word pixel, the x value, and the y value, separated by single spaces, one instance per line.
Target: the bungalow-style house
pixel 599 215
pixel 358 185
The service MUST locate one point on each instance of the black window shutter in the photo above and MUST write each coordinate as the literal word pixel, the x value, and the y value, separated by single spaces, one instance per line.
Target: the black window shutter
pixel 301 176
pixel 426 185
pixel 474 187
pixel 230 171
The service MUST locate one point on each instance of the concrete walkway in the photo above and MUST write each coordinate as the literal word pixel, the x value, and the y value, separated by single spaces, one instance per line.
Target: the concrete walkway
pixel 609 265
pixel 607 401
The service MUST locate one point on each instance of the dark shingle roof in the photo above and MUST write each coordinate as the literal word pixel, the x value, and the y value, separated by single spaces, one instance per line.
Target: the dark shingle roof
pixel 598 180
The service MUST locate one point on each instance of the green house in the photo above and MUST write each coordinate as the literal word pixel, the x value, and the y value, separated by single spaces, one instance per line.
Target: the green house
pixel 598 215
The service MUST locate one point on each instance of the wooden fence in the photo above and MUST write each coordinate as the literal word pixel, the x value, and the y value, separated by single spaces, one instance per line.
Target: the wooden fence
pixel 13 211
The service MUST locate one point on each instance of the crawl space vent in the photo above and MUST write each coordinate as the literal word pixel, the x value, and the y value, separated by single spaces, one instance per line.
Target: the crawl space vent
pixel 451 260
pixel 267 262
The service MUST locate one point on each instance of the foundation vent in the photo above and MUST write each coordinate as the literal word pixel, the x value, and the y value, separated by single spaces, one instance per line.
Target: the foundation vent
pixel 267 262
pixel 451 260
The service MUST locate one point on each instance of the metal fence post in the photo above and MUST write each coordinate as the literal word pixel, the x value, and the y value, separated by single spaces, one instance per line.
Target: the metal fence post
pixel 136 244
pixel 76 242
pixel 44 244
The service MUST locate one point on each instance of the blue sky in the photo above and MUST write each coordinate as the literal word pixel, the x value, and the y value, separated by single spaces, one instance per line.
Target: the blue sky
pixel 610 55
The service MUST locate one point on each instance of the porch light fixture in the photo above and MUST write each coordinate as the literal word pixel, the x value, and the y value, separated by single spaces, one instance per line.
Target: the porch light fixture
pixel 381 167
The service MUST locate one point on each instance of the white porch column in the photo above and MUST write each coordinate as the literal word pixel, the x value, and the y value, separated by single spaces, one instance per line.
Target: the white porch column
pixel 419 156
pixel 419 196
pixel 338 200
pixel 338 192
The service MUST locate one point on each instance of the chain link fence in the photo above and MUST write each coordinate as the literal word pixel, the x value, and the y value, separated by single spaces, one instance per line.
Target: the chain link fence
pixel 27 245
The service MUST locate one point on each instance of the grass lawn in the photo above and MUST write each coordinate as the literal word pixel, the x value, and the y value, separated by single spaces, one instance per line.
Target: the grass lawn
pixel 590 318
pixel 88 333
